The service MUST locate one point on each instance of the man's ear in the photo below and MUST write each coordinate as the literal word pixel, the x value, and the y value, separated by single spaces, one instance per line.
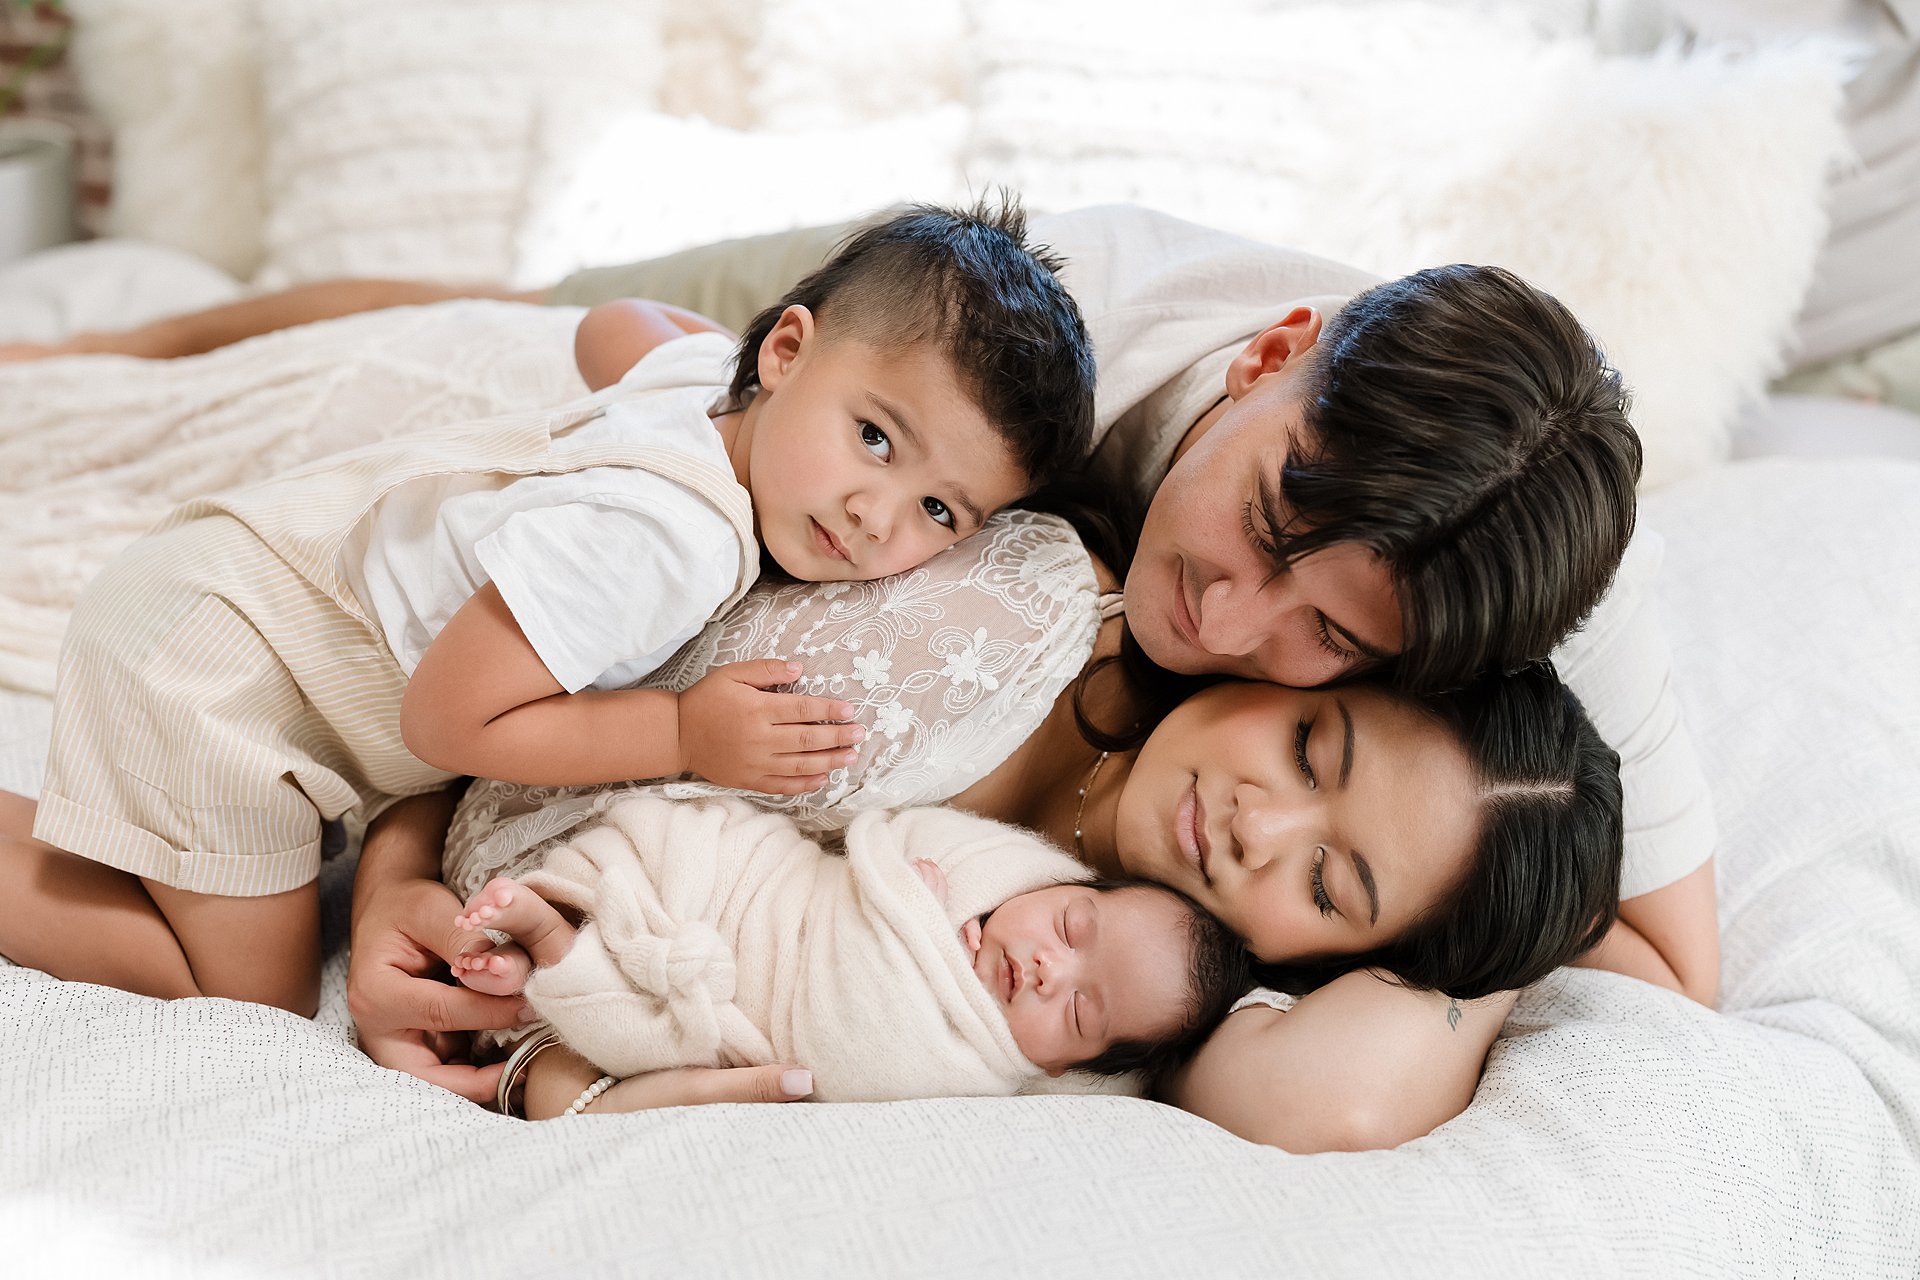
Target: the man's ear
pixel 1273 348
pixel 783 345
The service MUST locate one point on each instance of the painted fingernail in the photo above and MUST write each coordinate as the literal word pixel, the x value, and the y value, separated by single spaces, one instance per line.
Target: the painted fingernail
pixel 796 1083
pixel 793 668
pixel 859 733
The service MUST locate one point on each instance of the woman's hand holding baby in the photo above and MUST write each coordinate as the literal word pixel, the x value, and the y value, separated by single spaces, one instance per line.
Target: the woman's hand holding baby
pixel 735 730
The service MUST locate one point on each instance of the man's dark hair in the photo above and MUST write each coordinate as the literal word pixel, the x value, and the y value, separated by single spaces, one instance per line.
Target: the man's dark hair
pixel 1462 425
pixel 1544 883
pixel 968 282
pixel 1218 973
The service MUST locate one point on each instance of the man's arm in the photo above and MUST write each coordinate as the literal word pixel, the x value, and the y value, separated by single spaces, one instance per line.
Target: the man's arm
pixel 1620 666
pixel 1669 937
pixel 1356 1065
pixel 613 336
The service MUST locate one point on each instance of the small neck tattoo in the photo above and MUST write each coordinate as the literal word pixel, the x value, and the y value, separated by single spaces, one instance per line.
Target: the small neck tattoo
pixel 1080 814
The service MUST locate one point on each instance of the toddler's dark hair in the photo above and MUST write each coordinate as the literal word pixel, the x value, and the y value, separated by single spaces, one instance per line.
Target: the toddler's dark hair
pixel 1219 971
pixel 968 282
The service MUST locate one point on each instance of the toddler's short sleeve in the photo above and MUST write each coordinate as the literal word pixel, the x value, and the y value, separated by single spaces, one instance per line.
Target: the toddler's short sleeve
pixel 607 587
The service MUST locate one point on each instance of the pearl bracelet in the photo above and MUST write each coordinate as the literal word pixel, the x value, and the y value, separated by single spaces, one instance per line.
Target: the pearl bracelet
pixel 588 1096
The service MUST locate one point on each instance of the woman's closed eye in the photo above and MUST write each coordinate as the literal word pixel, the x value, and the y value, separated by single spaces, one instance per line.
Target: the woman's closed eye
pixel 876 441
pixel 1300 754
pixel 1319 883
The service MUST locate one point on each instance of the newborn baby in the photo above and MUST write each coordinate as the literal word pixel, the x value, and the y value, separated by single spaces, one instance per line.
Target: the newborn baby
pixel 944 954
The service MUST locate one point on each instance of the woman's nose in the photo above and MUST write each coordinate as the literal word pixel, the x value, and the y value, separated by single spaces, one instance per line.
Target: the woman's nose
pixel 1262 828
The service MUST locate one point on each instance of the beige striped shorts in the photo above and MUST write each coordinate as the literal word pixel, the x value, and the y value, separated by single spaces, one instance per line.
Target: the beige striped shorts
pixel 213 706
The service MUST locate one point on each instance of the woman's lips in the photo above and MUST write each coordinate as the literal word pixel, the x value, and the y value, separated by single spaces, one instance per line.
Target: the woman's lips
pixel 1187 830
pixel 828 543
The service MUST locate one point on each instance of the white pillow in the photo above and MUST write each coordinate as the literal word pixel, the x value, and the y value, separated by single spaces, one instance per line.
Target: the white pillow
pixel 619 184
pixel 179 85
pixel 400 132
pixel 1673 201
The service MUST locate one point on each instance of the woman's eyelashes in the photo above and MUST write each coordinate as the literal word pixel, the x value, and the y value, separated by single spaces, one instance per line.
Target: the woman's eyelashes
pixel 1319 883
pixel 1300 754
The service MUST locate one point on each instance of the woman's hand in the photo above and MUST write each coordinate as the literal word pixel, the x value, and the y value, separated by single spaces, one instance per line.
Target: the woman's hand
pixel 559 1075
pixel 409 1018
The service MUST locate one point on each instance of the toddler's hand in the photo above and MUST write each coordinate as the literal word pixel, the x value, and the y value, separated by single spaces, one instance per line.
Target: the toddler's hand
pixel 737 732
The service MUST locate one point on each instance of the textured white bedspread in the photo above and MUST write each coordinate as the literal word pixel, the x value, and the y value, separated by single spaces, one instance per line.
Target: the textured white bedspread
pixel 1620 1131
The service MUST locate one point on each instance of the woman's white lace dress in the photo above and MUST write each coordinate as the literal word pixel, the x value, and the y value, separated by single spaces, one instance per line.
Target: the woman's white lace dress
pixel 951 666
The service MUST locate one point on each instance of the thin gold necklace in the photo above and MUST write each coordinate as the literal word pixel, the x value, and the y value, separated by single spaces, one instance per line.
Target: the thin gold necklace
pixel 1079 814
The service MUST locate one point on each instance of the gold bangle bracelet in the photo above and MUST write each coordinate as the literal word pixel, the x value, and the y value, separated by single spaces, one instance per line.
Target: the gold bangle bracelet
pixel 517 1064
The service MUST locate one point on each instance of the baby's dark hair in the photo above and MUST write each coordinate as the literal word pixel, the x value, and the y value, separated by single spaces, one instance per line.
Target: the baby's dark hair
pixel 967 281
pixel 1219 971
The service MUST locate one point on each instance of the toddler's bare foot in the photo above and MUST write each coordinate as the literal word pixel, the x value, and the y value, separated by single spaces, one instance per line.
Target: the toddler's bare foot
pixel 500 972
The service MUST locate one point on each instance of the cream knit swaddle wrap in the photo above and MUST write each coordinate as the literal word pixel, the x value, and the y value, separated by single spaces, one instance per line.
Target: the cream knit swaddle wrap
pixel 717 934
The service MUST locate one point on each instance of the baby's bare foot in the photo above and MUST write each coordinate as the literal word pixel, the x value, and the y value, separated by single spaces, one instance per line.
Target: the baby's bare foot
pixel 509 907
pixel 502 971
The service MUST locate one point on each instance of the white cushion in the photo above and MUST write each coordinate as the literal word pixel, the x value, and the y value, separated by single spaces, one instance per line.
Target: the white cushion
pixel 179 85
pixel 1673 201
pixel 399 132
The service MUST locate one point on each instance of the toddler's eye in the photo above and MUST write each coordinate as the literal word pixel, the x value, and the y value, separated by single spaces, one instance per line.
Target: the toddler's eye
pixel 876 441
pixel 938 510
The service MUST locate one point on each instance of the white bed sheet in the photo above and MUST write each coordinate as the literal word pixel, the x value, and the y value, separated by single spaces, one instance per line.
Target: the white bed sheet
pixel 1620 1131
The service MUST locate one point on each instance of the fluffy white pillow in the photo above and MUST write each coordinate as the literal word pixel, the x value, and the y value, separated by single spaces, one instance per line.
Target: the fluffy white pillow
pixel 400 132
pixel 1673 201
pixel 179 85
pixel 620 184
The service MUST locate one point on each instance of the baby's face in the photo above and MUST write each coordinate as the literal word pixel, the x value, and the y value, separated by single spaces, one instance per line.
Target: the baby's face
pixel 1077 970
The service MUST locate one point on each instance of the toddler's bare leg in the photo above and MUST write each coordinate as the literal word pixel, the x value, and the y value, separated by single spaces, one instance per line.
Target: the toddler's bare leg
pixel 87 922
pixel 514 909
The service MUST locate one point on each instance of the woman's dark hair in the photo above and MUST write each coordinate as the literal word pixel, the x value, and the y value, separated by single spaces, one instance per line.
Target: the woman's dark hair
pixel 1218 973
pixel 1544 885
pixel 1462 425
pixel 967 282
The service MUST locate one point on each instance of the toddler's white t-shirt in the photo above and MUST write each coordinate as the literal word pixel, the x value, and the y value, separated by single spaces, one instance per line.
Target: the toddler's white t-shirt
pixel 608 570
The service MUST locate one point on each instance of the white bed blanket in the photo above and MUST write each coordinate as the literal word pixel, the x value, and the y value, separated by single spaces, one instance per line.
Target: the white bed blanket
pixel 1619 1131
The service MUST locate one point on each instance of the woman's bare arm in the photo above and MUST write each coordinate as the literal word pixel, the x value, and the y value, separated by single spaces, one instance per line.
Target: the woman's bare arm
pixel 200 331
pixel 559 1075
pixel 1357 1065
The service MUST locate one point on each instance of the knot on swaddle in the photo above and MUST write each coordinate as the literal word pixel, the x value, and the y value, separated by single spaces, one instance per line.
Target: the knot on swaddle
pixel 688 962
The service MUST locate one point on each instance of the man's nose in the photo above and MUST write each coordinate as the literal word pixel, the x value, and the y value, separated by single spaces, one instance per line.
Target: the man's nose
pixel 1237 617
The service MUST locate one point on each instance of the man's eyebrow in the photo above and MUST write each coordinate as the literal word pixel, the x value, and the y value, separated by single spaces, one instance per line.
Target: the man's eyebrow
pixel 1356 643
pixel 961 498
pixel 1346 747
pixel 1365 871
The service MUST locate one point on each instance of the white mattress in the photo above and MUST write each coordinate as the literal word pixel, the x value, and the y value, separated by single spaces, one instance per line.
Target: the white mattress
pixel 1620 1130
